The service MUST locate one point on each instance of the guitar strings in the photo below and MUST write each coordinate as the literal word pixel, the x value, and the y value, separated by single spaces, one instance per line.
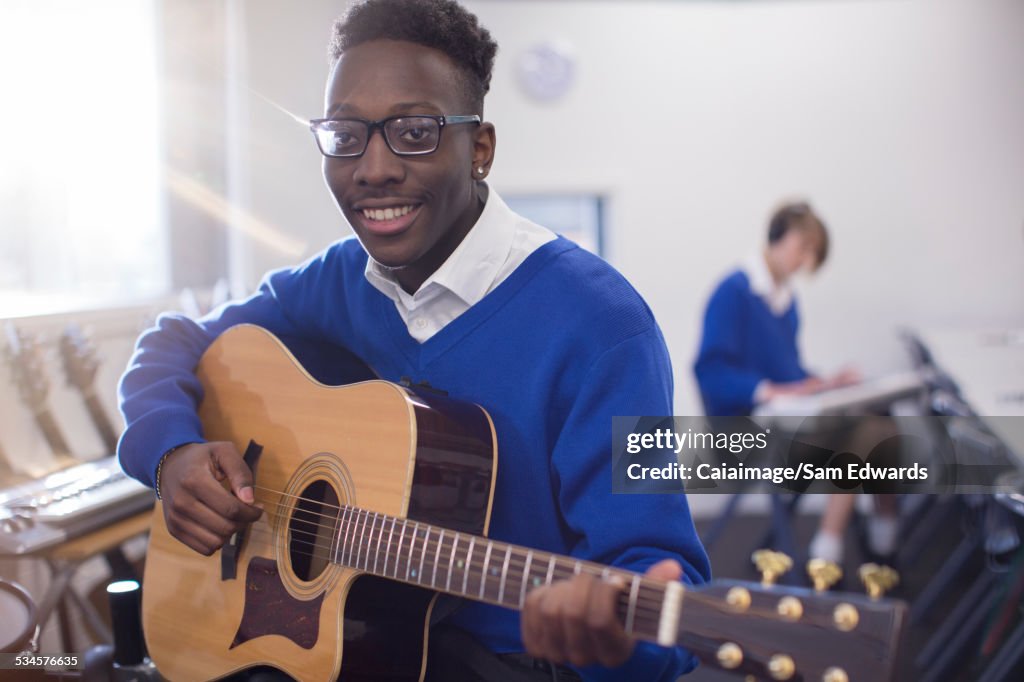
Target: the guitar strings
pixel 356 555
pixel 647 610
pixel 649 602
pixel 360 516
pixel 362 552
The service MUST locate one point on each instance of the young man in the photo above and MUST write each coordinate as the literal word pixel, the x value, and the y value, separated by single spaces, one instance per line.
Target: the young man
pixel 748 355
pixel 748 351
pixel 445 284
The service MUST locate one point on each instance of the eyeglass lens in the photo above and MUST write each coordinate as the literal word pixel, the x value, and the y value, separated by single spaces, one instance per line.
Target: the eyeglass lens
pixel 407 135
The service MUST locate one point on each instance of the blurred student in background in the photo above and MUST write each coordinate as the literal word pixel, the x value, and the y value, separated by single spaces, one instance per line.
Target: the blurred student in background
pixel 748 351
pixel 749 355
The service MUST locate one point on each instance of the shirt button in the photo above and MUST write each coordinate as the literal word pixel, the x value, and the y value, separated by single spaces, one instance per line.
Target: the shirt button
pixel 421 323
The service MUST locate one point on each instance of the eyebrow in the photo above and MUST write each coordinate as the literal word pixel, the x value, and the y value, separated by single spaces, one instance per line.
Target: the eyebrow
pixel 401 107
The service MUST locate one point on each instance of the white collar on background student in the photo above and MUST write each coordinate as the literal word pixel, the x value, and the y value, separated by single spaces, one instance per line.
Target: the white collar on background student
pixel 778 296
pixel 498 243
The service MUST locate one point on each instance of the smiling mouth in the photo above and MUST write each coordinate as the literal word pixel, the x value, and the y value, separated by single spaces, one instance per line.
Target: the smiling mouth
pixel 388 221
pixel 381 214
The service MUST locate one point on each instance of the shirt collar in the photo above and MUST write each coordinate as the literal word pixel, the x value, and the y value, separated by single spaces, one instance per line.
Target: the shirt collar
pixel 469 271
pixel 778 296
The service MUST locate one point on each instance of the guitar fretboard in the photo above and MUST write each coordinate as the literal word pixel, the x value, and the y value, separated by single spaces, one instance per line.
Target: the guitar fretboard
pixel 489 571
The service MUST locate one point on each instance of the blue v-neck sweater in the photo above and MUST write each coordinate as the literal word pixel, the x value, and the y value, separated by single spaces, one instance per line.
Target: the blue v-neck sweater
pixel 743 344
pixel 553 353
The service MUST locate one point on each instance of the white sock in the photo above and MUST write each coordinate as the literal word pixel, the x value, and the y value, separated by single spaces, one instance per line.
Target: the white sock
pixel 883 534
pixel 827 546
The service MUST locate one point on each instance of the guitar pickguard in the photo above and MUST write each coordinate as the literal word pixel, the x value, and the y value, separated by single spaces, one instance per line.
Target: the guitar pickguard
pixel 270 610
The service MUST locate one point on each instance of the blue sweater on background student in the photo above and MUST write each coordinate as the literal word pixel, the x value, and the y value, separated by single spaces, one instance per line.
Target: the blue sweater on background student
pixel 748 351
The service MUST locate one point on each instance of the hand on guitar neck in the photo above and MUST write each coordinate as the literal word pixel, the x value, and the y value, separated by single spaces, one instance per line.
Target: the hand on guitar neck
pixel 199 510
pixel 575 621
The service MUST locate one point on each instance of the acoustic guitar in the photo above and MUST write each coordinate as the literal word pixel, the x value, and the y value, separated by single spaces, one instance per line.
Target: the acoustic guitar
pixel 377 497
pixel 78 355
pixel 25 359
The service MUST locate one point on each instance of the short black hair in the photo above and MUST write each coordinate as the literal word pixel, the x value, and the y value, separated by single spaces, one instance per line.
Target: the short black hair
pixel 444 25
pixel 799 215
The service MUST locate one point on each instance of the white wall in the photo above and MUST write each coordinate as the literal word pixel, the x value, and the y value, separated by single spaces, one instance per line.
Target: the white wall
pixel 901 120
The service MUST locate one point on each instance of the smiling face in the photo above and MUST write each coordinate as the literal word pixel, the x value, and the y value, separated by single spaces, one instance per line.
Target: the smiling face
pixel 409 212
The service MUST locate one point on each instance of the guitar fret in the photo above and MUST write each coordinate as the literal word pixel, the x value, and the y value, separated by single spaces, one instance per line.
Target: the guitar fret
pixel 389 550
pixel 412 546
pixel 576 569
pixel 401 547
pixel 372 516
pixel 367 539
pixel 483 576
pixel 451 564
pixel 631 611
pixel 526 578
pixel 551 570
pixel 357 538
pixel 423 553
pixel 437 558
pixel 469 558
pixel 380 536
pixel 504 574
pixel 349 529
pixel 336 537
pixel 362 538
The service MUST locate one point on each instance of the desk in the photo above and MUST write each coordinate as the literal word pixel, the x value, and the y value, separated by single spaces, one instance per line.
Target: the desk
pixel 988 365
pixel 64 559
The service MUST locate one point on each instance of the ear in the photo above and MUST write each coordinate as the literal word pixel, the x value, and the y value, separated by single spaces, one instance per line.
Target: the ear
pixel 484 141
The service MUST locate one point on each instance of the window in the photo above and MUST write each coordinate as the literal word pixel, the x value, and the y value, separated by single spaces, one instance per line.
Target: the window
pixel 80 181
pixel 579 217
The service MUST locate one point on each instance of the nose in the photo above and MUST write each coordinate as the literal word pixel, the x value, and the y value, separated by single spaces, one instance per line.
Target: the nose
pixel 378 165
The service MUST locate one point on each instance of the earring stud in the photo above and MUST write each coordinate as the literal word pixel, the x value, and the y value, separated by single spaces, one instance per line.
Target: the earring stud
pixel 480 170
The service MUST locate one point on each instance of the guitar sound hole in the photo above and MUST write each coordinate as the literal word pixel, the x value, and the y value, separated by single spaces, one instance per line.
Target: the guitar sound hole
pixel 312 529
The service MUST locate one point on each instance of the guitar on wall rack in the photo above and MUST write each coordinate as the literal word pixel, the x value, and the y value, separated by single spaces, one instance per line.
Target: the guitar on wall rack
pixel 376 498
pixel 78 356
pixel 25 360
pixel 76 499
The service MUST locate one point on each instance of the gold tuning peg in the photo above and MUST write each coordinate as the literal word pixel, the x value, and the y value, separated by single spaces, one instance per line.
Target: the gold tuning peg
pixel 878 579
pixel 771 564
pixel 824 574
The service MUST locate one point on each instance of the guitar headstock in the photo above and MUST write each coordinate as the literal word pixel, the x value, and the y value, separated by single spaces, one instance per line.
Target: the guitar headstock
pixel 25 359
pixel 776 632
pixel 79 358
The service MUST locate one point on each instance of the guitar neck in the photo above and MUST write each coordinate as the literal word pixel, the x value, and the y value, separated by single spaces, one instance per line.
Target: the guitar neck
pixel 717 618
pixel 489 571
pixel 51 431
pixel 100 419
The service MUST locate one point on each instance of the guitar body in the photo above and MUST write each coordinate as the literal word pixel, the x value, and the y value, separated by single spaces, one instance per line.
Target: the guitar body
pixel 375 445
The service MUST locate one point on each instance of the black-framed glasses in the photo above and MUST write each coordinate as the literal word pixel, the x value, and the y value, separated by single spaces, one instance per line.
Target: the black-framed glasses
pixel 404 135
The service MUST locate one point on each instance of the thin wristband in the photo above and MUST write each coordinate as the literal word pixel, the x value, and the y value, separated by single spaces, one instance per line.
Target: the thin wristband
pixel 160 465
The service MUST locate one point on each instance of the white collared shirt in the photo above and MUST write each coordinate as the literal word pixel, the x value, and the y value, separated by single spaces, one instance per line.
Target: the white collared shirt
pixel 778 297
pixel 497 244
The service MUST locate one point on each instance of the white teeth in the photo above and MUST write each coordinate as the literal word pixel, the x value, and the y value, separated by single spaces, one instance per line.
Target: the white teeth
pixel 386 213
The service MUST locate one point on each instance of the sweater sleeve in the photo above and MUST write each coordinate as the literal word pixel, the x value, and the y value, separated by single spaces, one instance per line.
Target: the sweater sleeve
pixel 631 531
pixel 159 392
pixel 727 384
